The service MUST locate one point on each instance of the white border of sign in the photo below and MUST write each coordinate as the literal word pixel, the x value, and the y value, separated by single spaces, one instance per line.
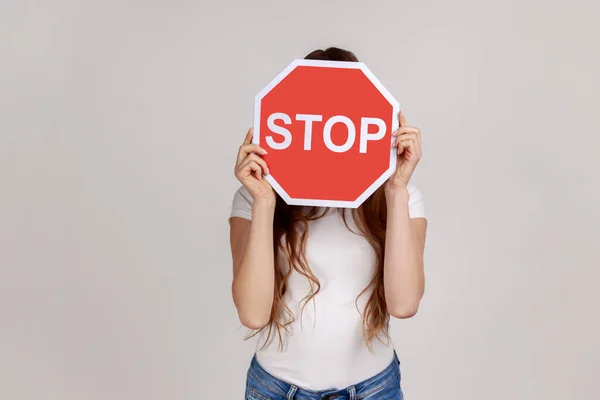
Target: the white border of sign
pixel 330 64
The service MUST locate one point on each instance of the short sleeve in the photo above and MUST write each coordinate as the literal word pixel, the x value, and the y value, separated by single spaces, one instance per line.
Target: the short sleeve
pixel 416 203
pixel 241 206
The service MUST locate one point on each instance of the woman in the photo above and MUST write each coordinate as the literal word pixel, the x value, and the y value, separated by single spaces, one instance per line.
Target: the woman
pixel 319 285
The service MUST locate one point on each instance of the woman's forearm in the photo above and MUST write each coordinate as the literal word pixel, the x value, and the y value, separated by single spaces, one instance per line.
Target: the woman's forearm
pixel 404 279
pixel 253 282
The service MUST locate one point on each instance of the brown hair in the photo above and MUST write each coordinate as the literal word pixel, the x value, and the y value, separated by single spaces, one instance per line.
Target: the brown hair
pixel 290 231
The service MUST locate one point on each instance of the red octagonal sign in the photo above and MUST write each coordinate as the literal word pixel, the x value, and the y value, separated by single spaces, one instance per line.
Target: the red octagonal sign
pixel 327 127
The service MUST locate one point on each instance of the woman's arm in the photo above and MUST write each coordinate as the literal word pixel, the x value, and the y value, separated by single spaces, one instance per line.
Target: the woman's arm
pixel 404 277
pixel 253 265
pixel 251 238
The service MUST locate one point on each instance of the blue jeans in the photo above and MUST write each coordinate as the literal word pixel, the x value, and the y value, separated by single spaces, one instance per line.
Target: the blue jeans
pixel 260 385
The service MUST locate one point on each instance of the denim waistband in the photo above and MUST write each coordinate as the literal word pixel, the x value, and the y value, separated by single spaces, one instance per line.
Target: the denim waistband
pixel 354 392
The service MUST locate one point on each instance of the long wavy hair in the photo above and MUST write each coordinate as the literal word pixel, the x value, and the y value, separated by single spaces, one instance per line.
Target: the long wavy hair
pixel 290 231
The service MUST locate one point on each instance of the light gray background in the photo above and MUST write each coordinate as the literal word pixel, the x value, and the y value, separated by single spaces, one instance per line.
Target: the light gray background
pixel 119 124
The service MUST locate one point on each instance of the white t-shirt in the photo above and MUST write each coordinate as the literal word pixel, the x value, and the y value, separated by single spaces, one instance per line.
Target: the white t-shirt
pixel 325 348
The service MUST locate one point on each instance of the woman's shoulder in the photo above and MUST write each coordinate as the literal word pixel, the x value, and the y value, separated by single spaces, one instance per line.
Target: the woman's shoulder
pixel 413 189
pixel 241 204
pixel 416 202
pixel 243 194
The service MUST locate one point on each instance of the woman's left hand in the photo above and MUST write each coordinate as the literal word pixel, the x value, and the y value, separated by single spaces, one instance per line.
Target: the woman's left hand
pixel 408 145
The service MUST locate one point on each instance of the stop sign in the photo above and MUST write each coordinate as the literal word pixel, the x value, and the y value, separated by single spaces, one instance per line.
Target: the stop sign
pixel 327 127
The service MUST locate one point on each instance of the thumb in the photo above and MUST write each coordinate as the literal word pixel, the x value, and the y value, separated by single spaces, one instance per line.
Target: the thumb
pixel 401 119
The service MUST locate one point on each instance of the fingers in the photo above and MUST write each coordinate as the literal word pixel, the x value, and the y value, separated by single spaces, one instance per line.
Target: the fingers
pixel 400 148
pixel 253 164
pixel 405 137
pixel 249 161
pixel 408 129
pixel 247 149
pixel 252 168
pixel 407 144
pixel 408 141
pixel 262 163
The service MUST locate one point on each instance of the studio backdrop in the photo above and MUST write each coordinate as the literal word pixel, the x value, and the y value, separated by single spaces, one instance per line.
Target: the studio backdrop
pixel 119 127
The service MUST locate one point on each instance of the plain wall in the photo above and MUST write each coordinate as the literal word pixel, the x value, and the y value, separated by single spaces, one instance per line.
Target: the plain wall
pixel 119 126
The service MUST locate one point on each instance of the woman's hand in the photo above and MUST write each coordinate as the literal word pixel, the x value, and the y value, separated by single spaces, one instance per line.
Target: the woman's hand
pixel 250 168
pixel 408 143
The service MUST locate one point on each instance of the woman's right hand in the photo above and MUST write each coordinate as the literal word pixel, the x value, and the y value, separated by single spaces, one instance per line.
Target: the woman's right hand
pixel 250 168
